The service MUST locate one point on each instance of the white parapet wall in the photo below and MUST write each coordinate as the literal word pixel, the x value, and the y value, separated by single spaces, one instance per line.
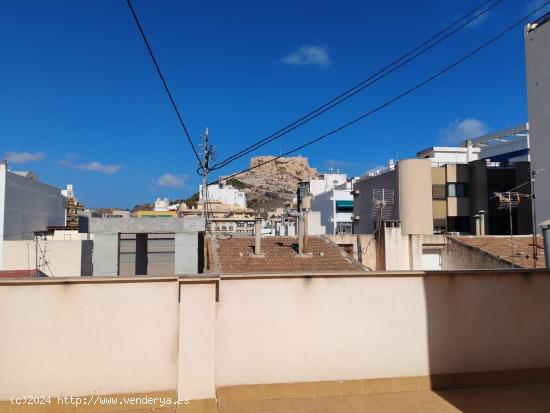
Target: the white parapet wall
pixel 74 339
pixel 132 335
pixel 55 258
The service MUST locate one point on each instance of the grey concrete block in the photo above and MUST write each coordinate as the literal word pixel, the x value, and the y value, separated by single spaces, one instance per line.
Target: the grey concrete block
pixel 186 257
pixel 144 225
pixel 105 255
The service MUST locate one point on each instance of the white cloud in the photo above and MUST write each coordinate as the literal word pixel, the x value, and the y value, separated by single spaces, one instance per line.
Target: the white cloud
pixel 92 166
pixel 24 157
pixel 459 130
pixel 172 180
pixel 336 164
pixel 308 55
pixel 376 169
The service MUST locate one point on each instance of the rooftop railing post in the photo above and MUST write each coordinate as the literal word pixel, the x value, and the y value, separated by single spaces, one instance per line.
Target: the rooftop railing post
pixel 545 226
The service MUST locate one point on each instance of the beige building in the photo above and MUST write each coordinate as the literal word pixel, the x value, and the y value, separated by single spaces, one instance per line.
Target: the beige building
pixel 223 217
pixel 424 197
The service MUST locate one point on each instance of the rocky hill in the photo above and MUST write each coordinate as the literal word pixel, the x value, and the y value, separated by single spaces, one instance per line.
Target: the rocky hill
pixel 268 186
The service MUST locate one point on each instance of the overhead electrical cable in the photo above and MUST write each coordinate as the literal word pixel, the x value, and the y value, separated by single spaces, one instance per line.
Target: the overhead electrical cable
pixel 417 51
pixel 164 83
pixel 400 96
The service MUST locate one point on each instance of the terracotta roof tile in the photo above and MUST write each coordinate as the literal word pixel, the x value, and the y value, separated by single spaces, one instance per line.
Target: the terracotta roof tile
pixel 500 246
pixel 236 255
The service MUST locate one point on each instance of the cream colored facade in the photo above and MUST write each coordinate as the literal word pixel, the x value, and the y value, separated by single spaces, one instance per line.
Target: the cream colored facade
pixel 131 335
pixel 223 217
pixel 54 257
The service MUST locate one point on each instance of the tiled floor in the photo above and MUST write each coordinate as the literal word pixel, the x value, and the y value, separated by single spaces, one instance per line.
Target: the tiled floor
pixel 521 398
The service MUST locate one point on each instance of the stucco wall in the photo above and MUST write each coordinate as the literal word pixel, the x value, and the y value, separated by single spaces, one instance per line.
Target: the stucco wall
pixel 80 339
pixel 415 196
pixel 381 326
pixel 26 206
pixel 55 258
pixel 537 44
pixel 458 256
pixel 141 335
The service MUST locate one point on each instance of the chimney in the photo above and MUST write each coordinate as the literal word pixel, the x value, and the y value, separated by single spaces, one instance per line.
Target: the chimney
pixel 482 222
pixel 477 219
pixel 545 227
pixel 258 236
pixel 306 206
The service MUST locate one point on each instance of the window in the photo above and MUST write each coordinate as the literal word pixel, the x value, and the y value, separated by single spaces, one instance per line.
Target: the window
pixel 458 189
pixel 344 228
pixel 344 206
pixel 458 224
pixel 438 191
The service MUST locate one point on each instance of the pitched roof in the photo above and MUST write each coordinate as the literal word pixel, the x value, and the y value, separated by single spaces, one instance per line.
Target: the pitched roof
pixel 499 246
pixel 21 273
pixel 279 255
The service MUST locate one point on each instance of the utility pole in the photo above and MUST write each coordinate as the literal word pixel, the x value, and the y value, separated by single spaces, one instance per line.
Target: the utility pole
pixel 535 253
pixel 205 176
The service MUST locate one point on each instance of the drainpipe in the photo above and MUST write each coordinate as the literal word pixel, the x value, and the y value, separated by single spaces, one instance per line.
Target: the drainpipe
pixel 545 226
pixel 258 236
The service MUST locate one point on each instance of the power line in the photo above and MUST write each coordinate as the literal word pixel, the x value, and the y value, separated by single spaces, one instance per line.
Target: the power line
pixel 164 83
pixel 379 75
pixel 400 96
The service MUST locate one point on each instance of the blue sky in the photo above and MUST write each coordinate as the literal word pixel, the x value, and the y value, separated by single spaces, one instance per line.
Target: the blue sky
pixel 82 104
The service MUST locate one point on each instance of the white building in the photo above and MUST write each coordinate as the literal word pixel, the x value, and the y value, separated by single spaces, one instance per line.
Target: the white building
pixel 26 206
pixel 507 145
pixel 225 194
pixel 450 154
pixel 162 204
pixel 336 208
pixel 315 187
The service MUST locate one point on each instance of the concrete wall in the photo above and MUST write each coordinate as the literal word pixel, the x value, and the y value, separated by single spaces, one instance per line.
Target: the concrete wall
pixel 459 256
pixel 362 247
pixel 402 252
pixel 107 232
pixel 55 258
pixel 107 336
pixel 27 205
pixel 380 326
pixel 415 196
pixel 362 202
pixel 537 44
pixel 80 339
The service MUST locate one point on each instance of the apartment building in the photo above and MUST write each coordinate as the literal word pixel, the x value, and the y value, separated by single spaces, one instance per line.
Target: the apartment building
pixel 27 205
pixel 425 197
pixel 537 45
pixel 336 208
pixel 314 187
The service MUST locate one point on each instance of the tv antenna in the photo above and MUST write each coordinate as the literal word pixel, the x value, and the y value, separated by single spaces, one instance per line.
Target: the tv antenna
pixel 382 205
pixel 509 201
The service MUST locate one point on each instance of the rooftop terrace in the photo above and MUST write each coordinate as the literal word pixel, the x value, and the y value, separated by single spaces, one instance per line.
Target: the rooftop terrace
pixel 461 341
